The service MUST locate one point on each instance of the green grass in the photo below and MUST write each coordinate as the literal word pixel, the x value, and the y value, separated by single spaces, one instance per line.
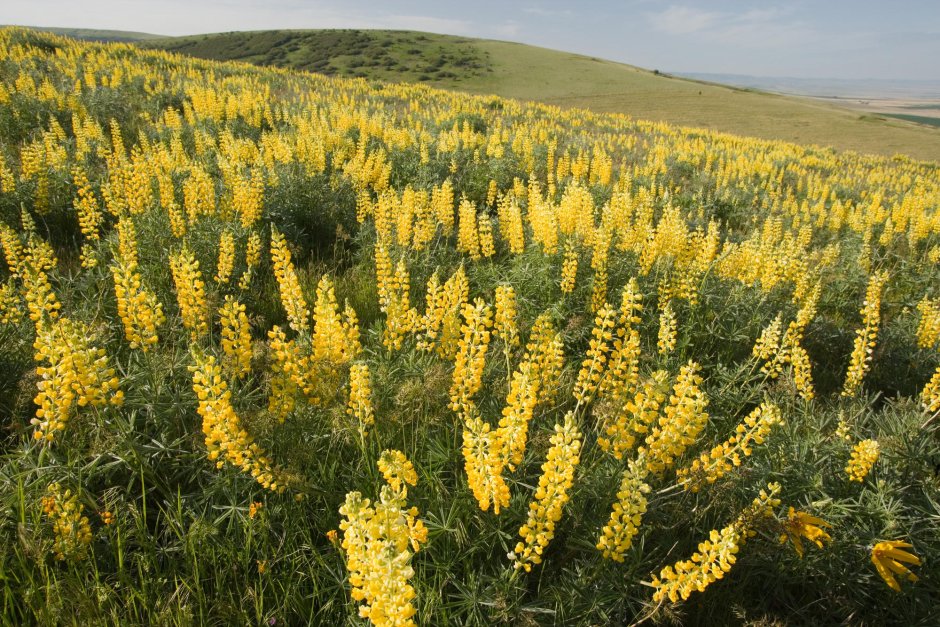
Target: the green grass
pixel 919 119
pixel 564 79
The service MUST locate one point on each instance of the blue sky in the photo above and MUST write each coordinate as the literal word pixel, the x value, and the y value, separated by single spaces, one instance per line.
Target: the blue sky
pixel 800 38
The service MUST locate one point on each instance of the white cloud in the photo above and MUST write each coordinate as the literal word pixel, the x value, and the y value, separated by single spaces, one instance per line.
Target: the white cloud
pixel 762 28
pixel 677 20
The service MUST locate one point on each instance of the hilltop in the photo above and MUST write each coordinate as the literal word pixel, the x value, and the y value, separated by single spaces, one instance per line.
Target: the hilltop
pixel 564 79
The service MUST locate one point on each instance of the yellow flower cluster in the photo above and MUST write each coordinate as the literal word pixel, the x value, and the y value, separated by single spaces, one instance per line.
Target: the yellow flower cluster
pixel 484 452
pixel 140 311
pixel 550 496
pixel 627 514
pixel 485 232
pixel 723 458
pixel 292 297
pixel 623 367
pixel 226 440
pixel 77 375
pixel 668 327
pixel 190 293
pixel 398 471
pixel 930 396
pixel 440 326
pixel 715 556
pixel 89 216
pixel 468 239
pixel 636 416
pixel 928 327
pixel 252 258
pixel 889 559
pixel 471 356
pixel 70 526
pixel 545 357
pixel 682 421
pixel 226 263
pixel 10 305
pixel 595 361
pixel 379 543
pixel 799 525
pixel 504 321
pixel 866 336
pixel 335 340
pixel 360 397
pixel 401 318
pixel 569 267
pixel 864 455
pixel 236 338
pixel 776 351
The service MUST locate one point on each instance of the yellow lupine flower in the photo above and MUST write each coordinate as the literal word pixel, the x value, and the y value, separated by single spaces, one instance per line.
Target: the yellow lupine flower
pixel 70 526
pixel 77 375
pixel 236 337
pixel 379 542
pixel 226 440
pixel 866 336
pixel 723 458
pixel 190 293
pixel 226 261
pixel 715 556
pixel 360 397
pixel 504 322
pixel 864 456
pixel 292 298
pixel 471 355
pixel 627 513
pixel 668 327
pixel 550 496
pixel 569 267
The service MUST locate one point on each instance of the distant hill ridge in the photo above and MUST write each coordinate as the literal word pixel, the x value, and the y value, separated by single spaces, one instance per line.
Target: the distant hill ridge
pixel 554 77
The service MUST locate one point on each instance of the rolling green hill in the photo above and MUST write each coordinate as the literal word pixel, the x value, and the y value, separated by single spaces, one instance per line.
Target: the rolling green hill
pixel 564 79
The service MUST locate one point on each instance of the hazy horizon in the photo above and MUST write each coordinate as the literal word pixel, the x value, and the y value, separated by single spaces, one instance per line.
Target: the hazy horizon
pixel 840 39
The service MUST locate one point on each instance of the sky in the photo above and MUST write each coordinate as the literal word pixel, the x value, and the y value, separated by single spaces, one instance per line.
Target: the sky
pixel 848 39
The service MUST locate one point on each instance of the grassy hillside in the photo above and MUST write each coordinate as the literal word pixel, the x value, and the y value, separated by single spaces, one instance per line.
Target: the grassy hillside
pixel 567 80
pixel 99 35
pixel 284 349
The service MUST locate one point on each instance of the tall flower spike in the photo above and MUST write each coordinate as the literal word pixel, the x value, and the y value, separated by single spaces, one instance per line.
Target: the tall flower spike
pixel 360 397
pixel 236 337
pixel 292 297
pixel 226 439
pixel 471 356
pixel 627 513
pixel 723 458
pixel 190 293
pixel 715 556
pixel 551 495
pixel 867 336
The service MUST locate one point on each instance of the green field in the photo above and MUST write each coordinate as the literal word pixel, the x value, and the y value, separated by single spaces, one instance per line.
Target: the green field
pixel 568 80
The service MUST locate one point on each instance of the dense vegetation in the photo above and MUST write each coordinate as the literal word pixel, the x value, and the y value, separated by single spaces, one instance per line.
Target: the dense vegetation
pixel 280 348
pixel 378 54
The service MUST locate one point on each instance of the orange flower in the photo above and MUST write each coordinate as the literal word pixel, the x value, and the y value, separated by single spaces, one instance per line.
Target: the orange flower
pixel 886 556
pixel 801 525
